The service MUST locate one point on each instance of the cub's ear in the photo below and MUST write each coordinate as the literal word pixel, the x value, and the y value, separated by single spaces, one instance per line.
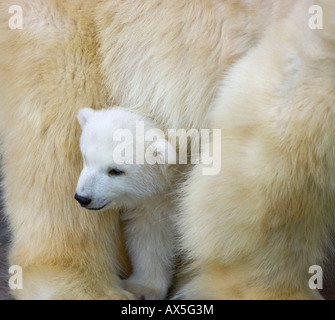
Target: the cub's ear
pixel 83 115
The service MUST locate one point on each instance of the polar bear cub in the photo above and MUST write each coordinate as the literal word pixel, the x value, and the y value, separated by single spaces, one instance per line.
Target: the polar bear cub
pixel 127 166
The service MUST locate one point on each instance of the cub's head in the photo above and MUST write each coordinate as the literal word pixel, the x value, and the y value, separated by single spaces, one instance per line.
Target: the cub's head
pixel 125 159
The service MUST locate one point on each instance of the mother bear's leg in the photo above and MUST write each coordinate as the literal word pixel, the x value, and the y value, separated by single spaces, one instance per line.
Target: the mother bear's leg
pixel 48 70
pixel 254 230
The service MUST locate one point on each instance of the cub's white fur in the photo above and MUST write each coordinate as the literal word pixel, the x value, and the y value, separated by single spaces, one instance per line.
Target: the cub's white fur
pixel 141 191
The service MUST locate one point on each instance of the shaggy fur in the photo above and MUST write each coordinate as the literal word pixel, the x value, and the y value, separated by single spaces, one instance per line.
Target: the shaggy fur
pixel 164 59
pixel 271 214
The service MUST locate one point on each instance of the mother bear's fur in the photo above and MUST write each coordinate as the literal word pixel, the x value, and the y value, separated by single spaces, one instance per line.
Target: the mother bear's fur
pixel 161 58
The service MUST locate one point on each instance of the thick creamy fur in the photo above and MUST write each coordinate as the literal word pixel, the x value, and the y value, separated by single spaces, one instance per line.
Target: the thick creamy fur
pixel 165 59
pixel 254 230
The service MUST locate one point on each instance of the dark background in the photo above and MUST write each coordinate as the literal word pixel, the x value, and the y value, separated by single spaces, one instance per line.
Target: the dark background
pixel 4 242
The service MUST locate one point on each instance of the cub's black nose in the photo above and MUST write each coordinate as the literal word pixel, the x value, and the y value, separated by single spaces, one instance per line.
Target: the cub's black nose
pixel 82 200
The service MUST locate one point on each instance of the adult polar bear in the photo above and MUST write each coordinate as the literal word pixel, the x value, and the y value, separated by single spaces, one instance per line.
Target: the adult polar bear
pixel 271 215
pixel 162 58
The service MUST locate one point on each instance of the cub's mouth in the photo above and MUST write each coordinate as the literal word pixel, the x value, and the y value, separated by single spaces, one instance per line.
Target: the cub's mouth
pixel 96 209
pixel 99 208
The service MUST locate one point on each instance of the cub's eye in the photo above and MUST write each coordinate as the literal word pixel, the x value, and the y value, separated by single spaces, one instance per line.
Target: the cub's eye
pixel 115 172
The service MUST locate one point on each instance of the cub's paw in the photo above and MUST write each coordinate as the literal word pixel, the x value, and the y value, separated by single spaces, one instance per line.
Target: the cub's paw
pixel 143 292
